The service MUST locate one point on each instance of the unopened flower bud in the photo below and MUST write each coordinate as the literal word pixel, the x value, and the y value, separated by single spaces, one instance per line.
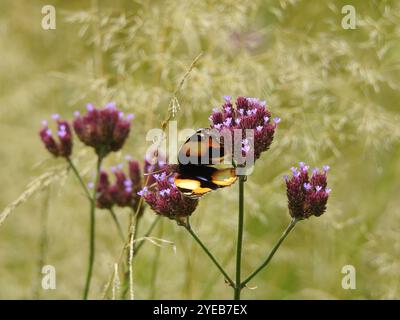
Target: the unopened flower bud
pixel 61 145
pixel 307 197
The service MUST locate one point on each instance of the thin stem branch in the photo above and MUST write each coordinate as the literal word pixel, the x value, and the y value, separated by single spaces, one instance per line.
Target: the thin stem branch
pixel 156 262
pixel 129 245
pixel 84 187
pixel 271 254
pixel 44 240
pixel 147 234
pixel 78 176
pixel 137 246
pixel 131 253
pixel 237 288
pixel 195 237
pixel 115 218
pixel 92 230
pixel 132 231
pixel 212 280
pixel 122 255
pixel 137 224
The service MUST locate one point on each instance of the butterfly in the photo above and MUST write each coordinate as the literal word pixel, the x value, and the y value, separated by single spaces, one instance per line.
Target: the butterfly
pixel 203 165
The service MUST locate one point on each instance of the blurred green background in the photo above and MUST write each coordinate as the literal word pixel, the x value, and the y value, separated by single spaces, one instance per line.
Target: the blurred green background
pixel 336 90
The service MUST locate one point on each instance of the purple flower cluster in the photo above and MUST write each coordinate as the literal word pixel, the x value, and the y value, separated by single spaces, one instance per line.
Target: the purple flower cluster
pixel 248 113
pixel 165 199
pixel 62 147
pixel 307 196
pixel 103 129
pixel 123 192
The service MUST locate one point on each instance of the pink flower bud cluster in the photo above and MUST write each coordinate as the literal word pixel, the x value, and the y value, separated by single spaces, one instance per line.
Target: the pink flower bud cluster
pixel 123 192
pixel 60 144
pixel 307 196
pixel 103 129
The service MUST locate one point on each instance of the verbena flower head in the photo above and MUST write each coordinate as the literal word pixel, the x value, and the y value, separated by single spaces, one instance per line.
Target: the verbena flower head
pixel 103 129
pixel 307 196
pixel 59 144
pixel 165 199
pixel 248 113
pixel 123 192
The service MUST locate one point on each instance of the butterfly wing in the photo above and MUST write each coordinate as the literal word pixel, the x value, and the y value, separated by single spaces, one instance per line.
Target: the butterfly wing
pixel 203 148
pixel 201 168
pixel 195 181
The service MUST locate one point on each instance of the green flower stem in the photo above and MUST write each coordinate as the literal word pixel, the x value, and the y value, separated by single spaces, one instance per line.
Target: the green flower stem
pixel 84 187
pixel 130 248
pixel 137 246
pixel 156 261
pixel 132 238
pixel 92 230
pixel 78 176
pixel 271 254
pixel 237 287
pixel 195 237
pixel 137 225
pixel 115 218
